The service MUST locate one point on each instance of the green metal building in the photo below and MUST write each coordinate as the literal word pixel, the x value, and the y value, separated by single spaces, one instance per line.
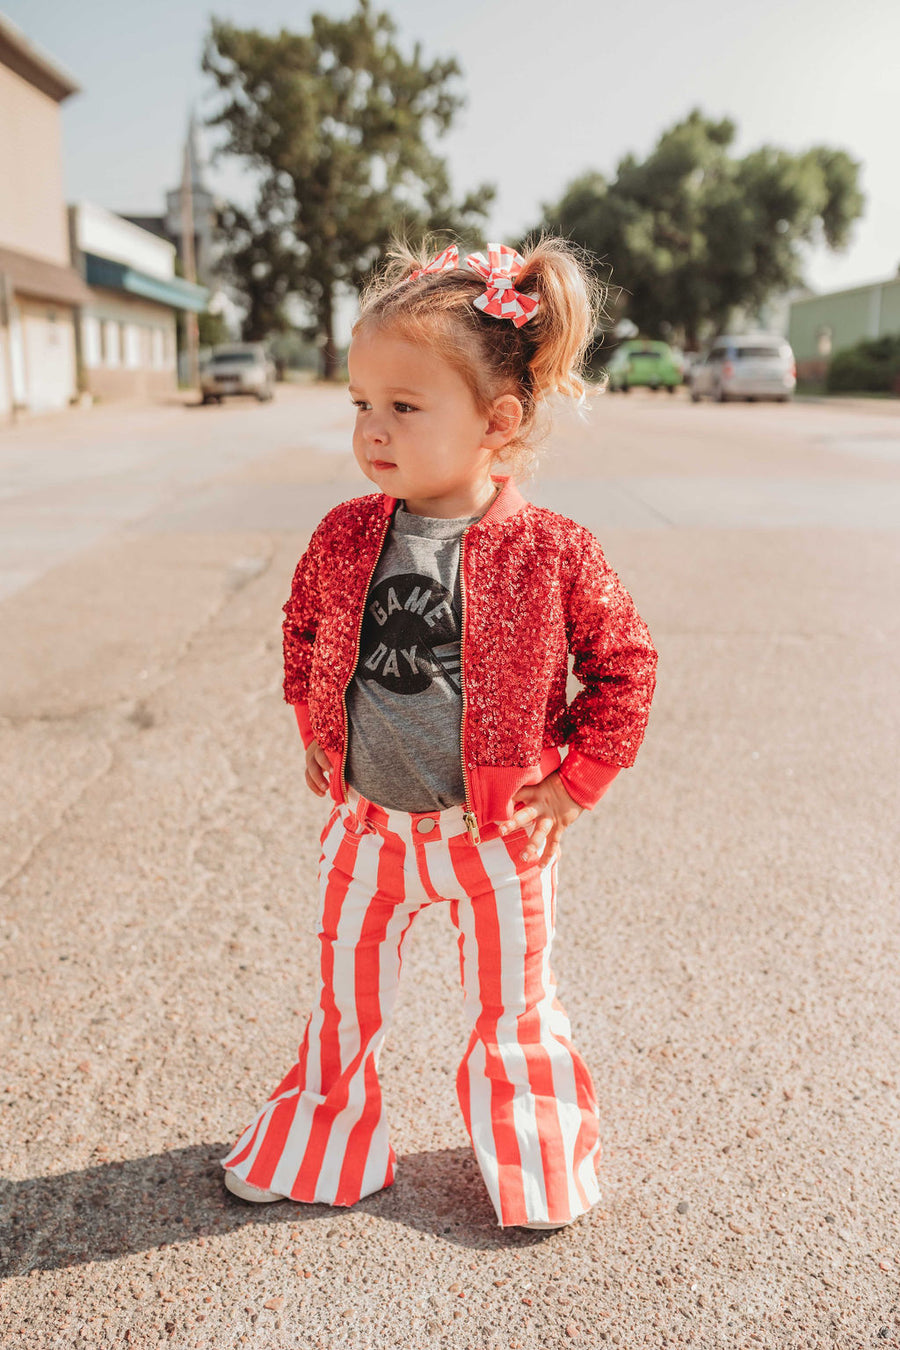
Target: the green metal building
pixel 820 325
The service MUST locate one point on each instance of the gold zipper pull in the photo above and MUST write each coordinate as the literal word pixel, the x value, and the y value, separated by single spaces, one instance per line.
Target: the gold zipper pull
pixel 472 826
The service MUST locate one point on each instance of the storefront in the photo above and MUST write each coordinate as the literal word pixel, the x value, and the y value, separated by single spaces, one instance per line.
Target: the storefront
pixel 127 326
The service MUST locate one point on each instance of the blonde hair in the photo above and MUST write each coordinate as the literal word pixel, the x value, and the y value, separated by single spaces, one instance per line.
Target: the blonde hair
pixel 543 357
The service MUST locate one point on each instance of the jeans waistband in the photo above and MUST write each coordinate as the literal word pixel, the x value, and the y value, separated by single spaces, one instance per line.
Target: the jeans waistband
pixel 450 820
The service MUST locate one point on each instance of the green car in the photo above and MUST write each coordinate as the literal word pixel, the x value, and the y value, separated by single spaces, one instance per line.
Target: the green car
pixel 641 361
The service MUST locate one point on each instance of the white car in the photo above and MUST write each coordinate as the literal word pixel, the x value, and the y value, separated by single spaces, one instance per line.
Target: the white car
pixel 238 368
pixel 745 366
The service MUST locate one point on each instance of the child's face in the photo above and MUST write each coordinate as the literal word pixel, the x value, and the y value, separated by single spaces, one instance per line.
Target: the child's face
pixel 418 434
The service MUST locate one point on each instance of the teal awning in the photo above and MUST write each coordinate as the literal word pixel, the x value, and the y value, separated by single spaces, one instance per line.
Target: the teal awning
pixel 172 291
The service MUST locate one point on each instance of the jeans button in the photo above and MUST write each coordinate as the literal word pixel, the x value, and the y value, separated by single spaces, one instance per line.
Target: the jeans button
pixel 426 825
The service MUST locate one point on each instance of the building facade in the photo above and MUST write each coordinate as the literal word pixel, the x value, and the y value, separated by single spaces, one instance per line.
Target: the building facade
pixel 39 288
pixel 821 325
pixel 126 338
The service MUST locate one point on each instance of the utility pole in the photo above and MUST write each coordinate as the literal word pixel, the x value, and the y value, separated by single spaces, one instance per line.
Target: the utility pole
pixel 191 330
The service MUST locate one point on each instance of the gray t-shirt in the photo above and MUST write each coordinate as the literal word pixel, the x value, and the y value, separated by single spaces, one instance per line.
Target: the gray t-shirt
pixel 404 703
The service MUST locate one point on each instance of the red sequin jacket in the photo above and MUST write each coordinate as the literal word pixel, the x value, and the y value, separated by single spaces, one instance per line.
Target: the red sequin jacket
pixel 535 586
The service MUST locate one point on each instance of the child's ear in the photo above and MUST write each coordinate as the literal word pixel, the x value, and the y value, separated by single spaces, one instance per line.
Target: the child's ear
pixel 504 420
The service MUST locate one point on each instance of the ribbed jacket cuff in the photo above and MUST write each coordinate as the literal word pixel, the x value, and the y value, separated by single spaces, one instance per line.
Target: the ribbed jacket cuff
pixel 586 779
pixel 302 713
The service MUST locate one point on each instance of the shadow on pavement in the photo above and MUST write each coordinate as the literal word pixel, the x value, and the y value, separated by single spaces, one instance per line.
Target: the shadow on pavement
pixel 104 1212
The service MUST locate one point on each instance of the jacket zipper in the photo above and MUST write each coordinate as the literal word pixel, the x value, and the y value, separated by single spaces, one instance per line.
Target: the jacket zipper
pixel 469 815
pixel 356 657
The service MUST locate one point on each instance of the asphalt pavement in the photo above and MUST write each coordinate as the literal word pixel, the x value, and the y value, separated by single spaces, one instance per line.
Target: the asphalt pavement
pixel 727 945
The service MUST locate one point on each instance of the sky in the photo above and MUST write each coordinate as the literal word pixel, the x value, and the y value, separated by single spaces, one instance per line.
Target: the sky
pixel 551 89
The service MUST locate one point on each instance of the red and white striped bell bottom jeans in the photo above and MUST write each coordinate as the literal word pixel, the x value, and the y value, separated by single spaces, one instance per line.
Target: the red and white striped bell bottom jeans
pixel 525 1093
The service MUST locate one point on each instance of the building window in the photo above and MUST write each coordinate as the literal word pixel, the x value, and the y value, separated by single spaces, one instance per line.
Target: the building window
pixel 112 345
pixel 159 348
pixel 91 340
pixel 823 340
pixel 132 346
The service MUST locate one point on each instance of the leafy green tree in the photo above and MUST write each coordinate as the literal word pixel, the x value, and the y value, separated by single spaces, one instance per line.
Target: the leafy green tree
pixel 336 124
pixel 211 329
pixel 259 266
pixel 691 233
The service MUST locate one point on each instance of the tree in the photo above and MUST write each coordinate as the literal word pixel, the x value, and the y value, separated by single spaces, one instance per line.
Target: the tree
pixel 211 329
pixel 692 233
pixel 335 123
pixel 259 267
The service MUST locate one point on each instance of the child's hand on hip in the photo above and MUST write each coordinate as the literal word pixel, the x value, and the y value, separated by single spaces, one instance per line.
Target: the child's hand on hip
pixel 318 765
pixel 551 808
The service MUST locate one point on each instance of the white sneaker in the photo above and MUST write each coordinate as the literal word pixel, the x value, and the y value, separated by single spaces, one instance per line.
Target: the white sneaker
pixel 248 1192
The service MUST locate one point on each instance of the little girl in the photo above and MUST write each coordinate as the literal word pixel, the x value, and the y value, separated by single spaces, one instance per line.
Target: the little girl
pixel 426 642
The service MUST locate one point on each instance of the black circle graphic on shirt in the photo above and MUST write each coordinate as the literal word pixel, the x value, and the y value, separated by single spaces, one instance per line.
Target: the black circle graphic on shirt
pixel 409 619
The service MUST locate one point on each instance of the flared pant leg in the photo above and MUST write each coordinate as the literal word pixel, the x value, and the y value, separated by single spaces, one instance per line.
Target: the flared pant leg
pixel 322 1135
pixel 524 1090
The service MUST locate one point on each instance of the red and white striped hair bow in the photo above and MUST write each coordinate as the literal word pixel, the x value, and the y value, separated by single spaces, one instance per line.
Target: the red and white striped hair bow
pixel 444 262
pixel 501 300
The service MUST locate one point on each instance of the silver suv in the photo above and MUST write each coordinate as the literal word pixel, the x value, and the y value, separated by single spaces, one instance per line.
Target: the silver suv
pixel 747 366
pixel 238 368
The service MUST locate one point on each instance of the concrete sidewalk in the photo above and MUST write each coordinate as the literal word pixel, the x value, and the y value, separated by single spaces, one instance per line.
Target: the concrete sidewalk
pixel 727 946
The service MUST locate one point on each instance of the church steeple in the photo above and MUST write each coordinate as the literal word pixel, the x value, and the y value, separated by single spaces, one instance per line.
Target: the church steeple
pixel 192 168
pixel 193 152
